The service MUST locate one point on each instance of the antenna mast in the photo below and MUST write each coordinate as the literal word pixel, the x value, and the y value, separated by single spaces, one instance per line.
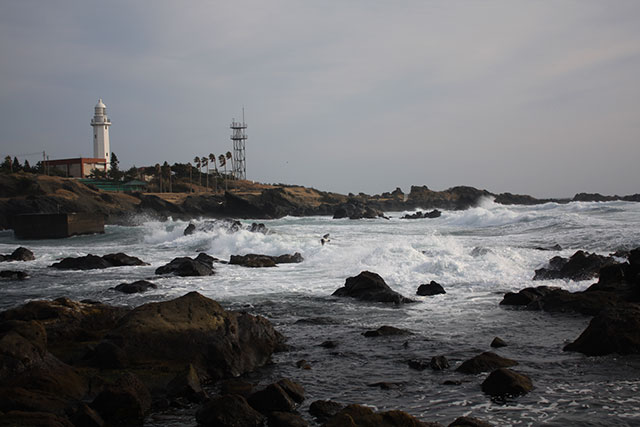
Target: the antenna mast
pixel 239 136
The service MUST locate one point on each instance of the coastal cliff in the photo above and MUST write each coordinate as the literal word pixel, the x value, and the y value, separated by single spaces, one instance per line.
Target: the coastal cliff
pixel 23 193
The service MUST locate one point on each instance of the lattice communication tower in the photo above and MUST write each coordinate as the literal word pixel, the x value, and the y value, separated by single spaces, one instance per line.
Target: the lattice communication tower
pixel 239 136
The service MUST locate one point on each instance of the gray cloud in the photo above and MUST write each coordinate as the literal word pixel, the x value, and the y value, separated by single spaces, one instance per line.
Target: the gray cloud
pixel 529 97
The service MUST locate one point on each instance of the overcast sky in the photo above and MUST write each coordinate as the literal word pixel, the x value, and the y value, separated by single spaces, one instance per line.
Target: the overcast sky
pixel 535 97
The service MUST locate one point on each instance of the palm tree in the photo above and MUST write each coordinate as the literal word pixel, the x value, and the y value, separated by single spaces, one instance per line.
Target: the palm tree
pixel 212 159
pixel 205 162
pixel 229 157
pixel 223 162
pixel 190 186
pixel 196 160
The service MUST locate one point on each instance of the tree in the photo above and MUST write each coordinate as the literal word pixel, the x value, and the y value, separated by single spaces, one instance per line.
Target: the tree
pixel 95 173
pixel 7 165
pixel 166 173
pixel 205 162
pixel 229 157
pixel 212 159
pixel 196 160
pixel 114 171
pixel 223 162
pixel 16 165
pixel 27 167
pixel 190 187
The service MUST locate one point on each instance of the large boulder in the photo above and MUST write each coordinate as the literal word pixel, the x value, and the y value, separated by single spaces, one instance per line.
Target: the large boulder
pixel 615 330
pixel 257 260
pixel 580 266
pixel 368 286
pixel 91 262
pixel 429 289
pixel 484 362
pixel 229 410
pixel 195 329
pixel 358 415
pixel 504 382
pixel 185 266
pixel 20 254
pixel 125 402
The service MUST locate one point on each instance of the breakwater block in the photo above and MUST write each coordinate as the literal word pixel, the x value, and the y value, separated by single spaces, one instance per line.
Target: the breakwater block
pixel 56 226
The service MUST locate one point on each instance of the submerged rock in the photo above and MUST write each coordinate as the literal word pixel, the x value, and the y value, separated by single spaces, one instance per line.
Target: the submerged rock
pixel 135 287
pixel 368 286
pixel 14 275
pixel 358 415
pixel 469 422
pixel 498 343
pixel 386 331
pixel 322 410
pixel 484 362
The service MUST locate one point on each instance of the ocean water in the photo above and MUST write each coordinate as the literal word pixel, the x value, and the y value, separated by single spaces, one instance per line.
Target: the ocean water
pixel 477 255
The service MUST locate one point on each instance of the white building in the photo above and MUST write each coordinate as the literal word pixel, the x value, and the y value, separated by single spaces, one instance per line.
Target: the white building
pixel 100 124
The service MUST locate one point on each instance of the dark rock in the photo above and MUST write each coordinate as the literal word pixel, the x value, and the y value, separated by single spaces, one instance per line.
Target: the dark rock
pixel 88 262
pixel 432 288
pixel 236 386
pixel 191 228
pixel 439 363
pixel 258 228
pixel 356 210
pixel 479 251
pixel 418 365
pixel 580 266
pixel 614 330
pixel 207 260
pixel 303 364
pixel 271 398
pixel 186 384
pixel 33 419
pixel 84 416
pixel 122 260
pixel 14 275
pixel 20 254
pixel 252 260
pixel 107 355
pixel 329 344
pixel 555 247
pixel 527 295
pixel 322 410
pixel 135 287
pixel 289 259
pixel 229 411
pixel 127 401
pixel 469 422
pixel 369 286
pixel 358 415
pixel 498 342
pixel 452 382
pixel 593 197
pixel 257 260
pixel 504 382
pixel 484 362
pixel 286 419
pixel 185 266
pixel 419 215
pixel 294 390
pixel 385 385
pixel 195 329
pixel 385 331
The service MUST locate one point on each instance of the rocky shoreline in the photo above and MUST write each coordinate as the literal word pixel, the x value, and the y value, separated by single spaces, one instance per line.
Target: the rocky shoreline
pixel 26 193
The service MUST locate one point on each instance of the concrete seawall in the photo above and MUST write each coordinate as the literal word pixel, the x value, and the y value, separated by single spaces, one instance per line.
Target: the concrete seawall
pixel 55 226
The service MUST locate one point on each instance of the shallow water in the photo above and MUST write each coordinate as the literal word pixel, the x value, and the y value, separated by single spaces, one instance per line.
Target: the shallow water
pixel 477 255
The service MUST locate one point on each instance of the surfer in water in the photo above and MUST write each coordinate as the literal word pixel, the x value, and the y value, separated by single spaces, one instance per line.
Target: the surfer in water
pixel 325 239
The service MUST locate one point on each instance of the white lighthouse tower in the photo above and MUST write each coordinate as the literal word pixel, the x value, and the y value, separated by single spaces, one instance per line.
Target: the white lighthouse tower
pixel 100 124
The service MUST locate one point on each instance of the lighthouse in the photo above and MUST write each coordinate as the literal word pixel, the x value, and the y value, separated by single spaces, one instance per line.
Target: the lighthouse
pixel 100 124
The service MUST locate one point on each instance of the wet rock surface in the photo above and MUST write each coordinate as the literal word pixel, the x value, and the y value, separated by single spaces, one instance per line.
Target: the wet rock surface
pixel 20 254
pixel 420 215
pixel 429 289
pixel 257 260
pixel 186 266
pixel 487 361
pixel 91 262
pixel 505 382
pixel 368 286
pixel 580 266
pixel 135 287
